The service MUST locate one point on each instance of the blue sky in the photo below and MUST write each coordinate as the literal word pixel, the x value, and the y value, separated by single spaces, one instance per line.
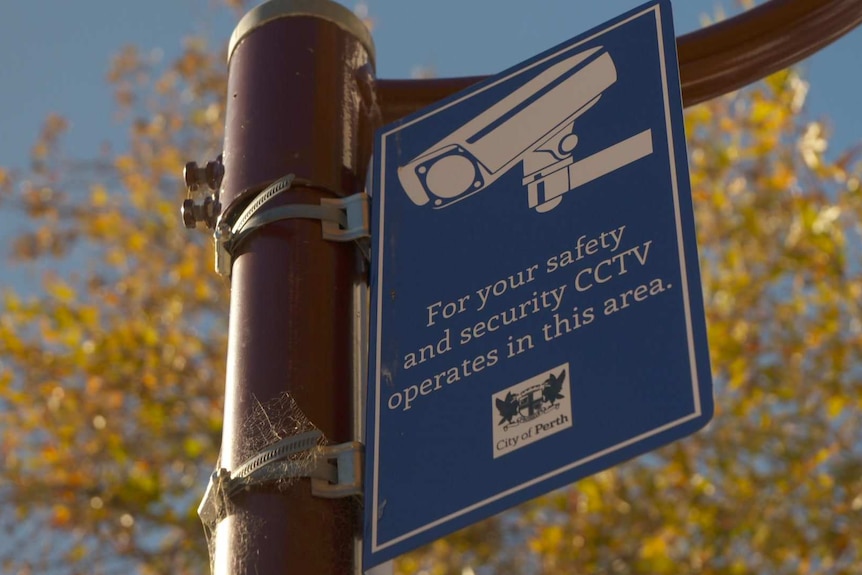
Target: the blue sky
pixel 54 55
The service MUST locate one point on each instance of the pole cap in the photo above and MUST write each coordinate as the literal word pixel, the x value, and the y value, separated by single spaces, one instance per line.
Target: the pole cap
pixel 323 9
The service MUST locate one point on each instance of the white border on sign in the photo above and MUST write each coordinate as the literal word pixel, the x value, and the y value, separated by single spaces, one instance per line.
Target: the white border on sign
pixel 375 546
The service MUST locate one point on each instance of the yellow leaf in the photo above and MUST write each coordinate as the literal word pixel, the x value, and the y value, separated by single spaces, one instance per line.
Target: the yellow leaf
pixel 653 547
pixel 761 110
pixel 62 515
pixel 835 405
pixel 125 164
pixel 98 196
pixel 61 290
pixel 137 241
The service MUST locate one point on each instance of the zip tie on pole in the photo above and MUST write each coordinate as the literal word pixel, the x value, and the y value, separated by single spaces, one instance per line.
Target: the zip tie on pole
pixel 343 220
pixel 335 471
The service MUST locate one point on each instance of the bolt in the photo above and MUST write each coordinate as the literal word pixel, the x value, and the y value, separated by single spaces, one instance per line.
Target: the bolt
pixel 191 174
pixel 188 213
pixel 214 173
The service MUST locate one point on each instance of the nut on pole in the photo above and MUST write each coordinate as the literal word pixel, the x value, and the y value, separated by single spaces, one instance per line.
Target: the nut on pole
pixel 208 208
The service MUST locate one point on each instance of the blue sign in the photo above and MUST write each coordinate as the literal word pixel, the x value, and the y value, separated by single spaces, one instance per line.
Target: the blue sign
pixel 536 301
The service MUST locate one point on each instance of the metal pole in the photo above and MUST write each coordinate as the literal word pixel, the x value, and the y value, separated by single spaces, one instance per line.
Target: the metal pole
pixel 300 100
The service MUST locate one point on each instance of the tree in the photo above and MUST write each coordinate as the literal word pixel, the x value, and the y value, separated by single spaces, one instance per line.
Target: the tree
pixel 111 373
pixel 111 370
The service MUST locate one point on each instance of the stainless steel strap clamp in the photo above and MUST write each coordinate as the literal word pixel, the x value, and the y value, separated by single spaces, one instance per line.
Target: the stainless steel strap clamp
pixel 335 471
pixel 343 220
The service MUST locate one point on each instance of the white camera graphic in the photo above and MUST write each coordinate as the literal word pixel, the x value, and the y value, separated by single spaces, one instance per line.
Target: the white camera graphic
pixel 533 125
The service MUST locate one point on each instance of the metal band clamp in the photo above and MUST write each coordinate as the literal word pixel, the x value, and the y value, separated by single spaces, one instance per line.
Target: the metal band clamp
pixel 335 471
pixel 343 219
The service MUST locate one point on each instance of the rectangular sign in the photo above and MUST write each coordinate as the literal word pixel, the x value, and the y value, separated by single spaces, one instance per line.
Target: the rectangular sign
pixel 536 301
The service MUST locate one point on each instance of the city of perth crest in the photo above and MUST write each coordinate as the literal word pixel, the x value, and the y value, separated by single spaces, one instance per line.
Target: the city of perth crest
pixel 531 410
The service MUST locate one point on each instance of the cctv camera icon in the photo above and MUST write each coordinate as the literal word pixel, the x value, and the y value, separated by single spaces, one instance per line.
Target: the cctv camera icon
pixel 533 125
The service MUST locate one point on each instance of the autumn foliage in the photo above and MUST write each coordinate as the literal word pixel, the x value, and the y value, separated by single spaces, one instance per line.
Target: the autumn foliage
pixel 112 338
pixel 112 346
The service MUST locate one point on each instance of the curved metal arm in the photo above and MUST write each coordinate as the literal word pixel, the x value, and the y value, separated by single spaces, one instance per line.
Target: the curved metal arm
pixel 758 42
pixel 713 61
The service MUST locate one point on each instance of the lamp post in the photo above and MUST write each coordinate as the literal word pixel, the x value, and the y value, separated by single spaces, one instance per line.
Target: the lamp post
pixel 299 102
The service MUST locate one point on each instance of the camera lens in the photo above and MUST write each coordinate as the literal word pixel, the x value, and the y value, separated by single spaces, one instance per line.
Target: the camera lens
pixel 450 176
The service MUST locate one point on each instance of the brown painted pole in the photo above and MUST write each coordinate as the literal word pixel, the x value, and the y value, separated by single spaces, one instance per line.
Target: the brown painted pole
pixel 300 79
